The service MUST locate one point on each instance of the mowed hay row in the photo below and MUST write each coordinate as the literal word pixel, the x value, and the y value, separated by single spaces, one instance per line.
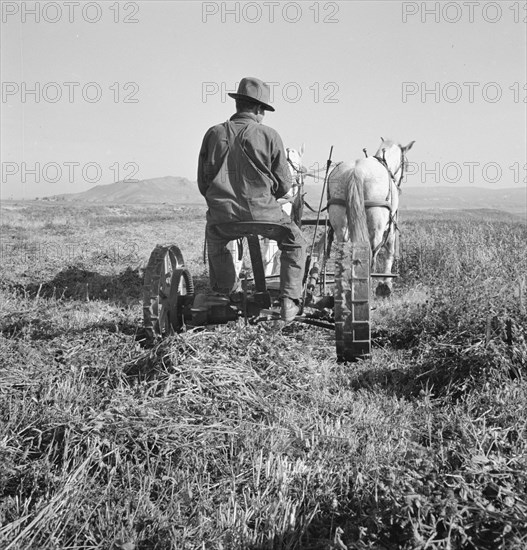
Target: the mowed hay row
pixel 236 437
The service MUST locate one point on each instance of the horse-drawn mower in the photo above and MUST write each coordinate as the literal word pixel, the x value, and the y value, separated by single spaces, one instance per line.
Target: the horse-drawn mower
pixel 336 293
pixel 170 304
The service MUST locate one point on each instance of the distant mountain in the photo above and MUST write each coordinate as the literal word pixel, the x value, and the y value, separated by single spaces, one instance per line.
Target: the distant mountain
pixel 181 191
pixel 170 189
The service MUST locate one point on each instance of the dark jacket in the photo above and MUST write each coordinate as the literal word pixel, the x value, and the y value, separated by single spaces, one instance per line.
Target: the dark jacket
pixel 242 170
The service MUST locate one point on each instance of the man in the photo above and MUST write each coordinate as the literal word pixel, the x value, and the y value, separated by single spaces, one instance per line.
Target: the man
pixel 242 172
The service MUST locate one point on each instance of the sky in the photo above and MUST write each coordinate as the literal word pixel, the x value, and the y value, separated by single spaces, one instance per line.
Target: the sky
pixel 96 92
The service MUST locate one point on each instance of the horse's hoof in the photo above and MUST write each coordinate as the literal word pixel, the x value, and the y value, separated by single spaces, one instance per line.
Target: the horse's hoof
pixel 383 290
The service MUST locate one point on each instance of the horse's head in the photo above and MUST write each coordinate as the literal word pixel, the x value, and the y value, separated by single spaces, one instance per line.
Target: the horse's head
pixel 298 170
pixel 395 156
pixel 294 159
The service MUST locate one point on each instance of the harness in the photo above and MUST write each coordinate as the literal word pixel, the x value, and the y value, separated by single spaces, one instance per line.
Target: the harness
pixel 299 184
pixel 392 218
pixel 298 175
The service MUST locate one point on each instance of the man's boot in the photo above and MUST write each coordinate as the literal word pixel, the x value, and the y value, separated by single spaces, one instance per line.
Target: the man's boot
pixel 289 310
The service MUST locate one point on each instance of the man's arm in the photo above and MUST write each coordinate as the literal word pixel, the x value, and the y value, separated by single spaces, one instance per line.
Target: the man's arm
pixel 203 180
pixel 280 167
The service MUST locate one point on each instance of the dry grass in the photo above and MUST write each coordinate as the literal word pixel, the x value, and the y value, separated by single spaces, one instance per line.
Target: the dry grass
pixel 239 437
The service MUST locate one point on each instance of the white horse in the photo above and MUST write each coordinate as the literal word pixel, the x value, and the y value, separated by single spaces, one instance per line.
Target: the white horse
pixel 363 198
pixel 269 248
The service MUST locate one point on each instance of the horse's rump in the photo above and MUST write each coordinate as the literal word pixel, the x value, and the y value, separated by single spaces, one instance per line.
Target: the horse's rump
pixel 346 204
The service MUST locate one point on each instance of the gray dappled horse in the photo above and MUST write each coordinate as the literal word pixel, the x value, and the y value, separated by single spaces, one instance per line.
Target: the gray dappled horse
pixel 363 198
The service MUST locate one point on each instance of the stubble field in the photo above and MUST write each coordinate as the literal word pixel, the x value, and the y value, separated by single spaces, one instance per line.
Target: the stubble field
pixel 234 437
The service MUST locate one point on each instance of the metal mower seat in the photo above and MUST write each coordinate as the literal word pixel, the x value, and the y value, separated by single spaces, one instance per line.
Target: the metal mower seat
pixel 251 231
pixel 269 230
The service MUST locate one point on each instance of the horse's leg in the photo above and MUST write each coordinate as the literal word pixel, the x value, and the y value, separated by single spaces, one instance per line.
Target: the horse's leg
pixel 233 249
pixel 339 221
pixel 270 257
pixel 270 250
pixel 376 227
pixel 382 256
pixel 384 289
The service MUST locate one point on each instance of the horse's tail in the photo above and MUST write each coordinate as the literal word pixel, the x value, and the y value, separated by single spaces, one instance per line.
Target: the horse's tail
pixel 355 210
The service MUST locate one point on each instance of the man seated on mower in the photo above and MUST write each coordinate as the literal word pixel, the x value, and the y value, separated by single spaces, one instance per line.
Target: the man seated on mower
pixel 242 172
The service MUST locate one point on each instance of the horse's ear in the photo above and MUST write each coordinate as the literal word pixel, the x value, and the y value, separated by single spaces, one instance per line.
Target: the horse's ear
pixel 302 149
pixel 382 139
pixel 409 146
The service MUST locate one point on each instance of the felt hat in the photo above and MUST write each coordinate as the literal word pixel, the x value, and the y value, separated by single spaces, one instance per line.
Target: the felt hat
pixel 255 90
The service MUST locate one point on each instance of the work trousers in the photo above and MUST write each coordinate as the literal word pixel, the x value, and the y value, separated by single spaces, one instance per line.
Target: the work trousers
pixel 222 271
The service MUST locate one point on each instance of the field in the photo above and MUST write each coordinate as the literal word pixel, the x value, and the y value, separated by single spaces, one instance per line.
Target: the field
pixel 234 437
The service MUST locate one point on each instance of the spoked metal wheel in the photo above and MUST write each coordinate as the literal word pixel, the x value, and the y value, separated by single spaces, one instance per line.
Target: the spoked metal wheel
pixel 166 283
pixel 181 292
pixel 352 301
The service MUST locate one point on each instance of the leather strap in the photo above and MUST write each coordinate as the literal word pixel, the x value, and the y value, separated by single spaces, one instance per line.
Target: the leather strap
pixel 338 202
pixel 380 204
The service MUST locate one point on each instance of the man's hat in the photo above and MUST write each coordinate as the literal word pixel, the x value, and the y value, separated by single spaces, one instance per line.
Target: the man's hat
pixel 255 90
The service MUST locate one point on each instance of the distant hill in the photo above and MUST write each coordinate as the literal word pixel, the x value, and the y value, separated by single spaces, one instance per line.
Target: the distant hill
pixel 170 189
pixel 181 191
